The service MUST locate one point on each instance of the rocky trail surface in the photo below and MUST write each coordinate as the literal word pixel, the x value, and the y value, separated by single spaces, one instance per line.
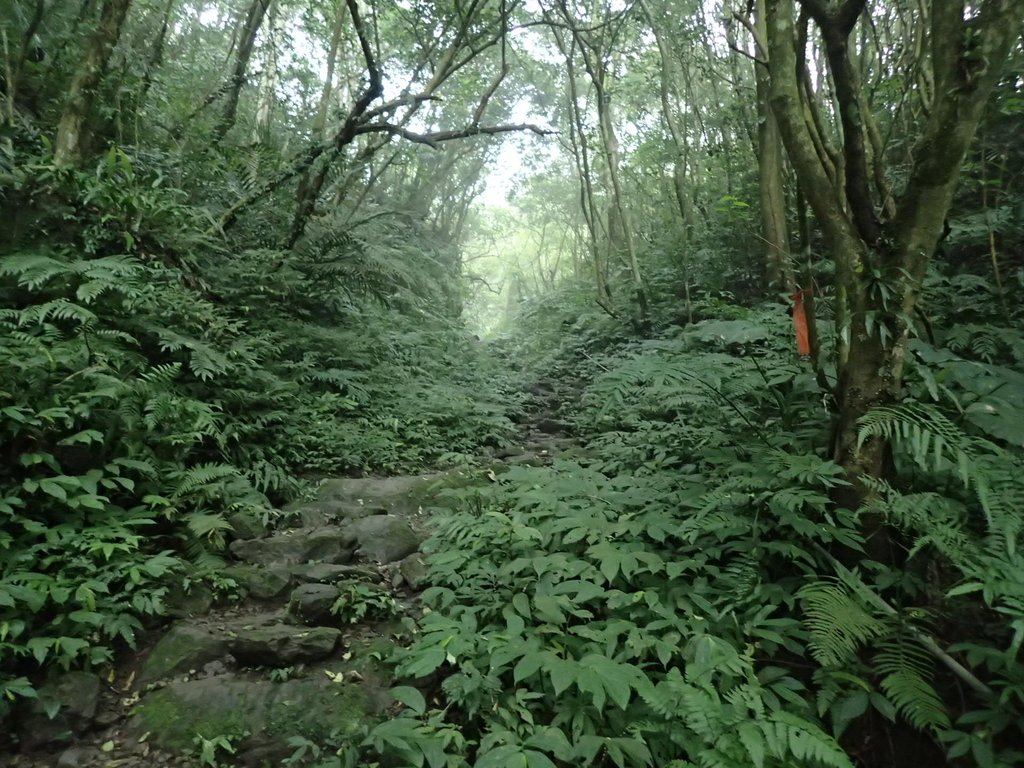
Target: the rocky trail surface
pixel 298 653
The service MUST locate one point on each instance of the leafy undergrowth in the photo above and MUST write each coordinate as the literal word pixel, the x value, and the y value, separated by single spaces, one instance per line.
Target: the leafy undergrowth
pixel 155 383
pixel 678 596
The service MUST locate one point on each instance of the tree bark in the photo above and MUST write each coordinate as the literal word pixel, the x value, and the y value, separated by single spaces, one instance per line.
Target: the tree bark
pixel 250 29
pixel 73 128
pixel 771 189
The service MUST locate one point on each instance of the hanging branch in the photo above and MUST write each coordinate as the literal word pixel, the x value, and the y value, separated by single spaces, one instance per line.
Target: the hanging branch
pixel 358 122
pixel 502 71
pixel 438 137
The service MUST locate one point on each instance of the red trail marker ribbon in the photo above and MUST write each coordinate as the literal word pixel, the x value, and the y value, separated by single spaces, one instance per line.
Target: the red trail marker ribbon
pixel 803 337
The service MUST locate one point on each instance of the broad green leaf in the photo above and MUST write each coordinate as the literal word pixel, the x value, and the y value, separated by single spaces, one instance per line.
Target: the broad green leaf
pixel 425 662
pixel 527 666
pixel 411 697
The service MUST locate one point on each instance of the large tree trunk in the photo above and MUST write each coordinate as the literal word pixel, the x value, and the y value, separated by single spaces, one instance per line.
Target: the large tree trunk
pixel 881 264
pixel 73 128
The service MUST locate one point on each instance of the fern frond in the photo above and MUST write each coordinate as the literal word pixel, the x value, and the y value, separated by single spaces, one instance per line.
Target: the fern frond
pixel 931 437
pixel 906 667
pixel 203 474
pixel 33 270
pixel 58 309
pixel 789 736
pixel 208 526
pixel 838 624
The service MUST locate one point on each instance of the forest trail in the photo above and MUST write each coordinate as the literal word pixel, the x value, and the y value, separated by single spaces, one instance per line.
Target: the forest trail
pixel 293 650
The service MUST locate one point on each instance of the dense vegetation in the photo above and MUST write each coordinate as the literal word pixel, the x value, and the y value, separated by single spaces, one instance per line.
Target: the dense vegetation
pixel 244 248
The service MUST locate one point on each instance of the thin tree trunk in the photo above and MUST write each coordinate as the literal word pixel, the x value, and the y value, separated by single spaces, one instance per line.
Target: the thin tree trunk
pixel 610 143
pixel 619 228
pixel 250 30
pixel 155 58
pixel 772 193
pixel 14 65
pixel 581 155
pixel 681 145
pixel 267 93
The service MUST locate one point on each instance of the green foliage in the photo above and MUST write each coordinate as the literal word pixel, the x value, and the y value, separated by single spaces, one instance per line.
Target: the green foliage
pixel 362 602
pixel 637 606
pixel 148 390
pixel 209 751
pixel 661 587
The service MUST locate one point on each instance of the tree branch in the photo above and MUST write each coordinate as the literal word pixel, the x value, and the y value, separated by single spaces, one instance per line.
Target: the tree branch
pixel 760 44
pixel 835 29
pixel 342 137
pixel 968 56
pixel 787 104
pixel 438 137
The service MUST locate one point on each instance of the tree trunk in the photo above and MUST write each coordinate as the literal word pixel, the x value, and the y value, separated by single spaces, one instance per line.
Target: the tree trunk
pixel 771 190
pixel 73 128
pixel 154 60
pixel 581 156
pixel 250 30
pixel 881 264
pixel 680 143
pixel 267 93
pixel 619 217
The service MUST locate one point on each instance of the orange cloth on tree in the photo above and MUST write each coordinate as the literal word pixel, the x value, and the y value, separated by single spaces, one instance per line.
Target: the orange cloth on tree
pixel 803 337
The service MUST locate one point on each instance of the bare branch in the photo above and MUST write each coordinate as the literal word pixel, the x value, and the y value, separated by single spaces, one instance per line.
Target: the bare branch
pixel 438 137
pixel 761 45
pixel 410 100
pixel 754 58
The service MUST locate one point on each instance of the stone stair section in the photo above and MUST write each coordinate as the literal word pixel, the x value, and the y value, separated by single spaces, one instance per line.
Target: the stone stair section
pixel 277 665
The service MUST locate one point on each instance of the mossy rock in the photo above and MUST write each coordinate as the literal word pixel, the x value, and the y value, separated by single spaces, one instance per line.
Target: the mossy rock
pixel 329 544
pixel 195 600
pixel 77 694
pixel 262 583
pixel 400 495
pixel 280 645
pixel 263 715
pixel 312 603
pixel 325 573
pixel 384 538
pixel 247 525
pixel 183 648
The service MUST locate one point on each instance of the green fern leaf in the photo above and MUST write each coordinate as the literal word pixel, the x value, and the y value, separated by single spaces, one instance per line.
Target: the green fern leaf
pixel 837 623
